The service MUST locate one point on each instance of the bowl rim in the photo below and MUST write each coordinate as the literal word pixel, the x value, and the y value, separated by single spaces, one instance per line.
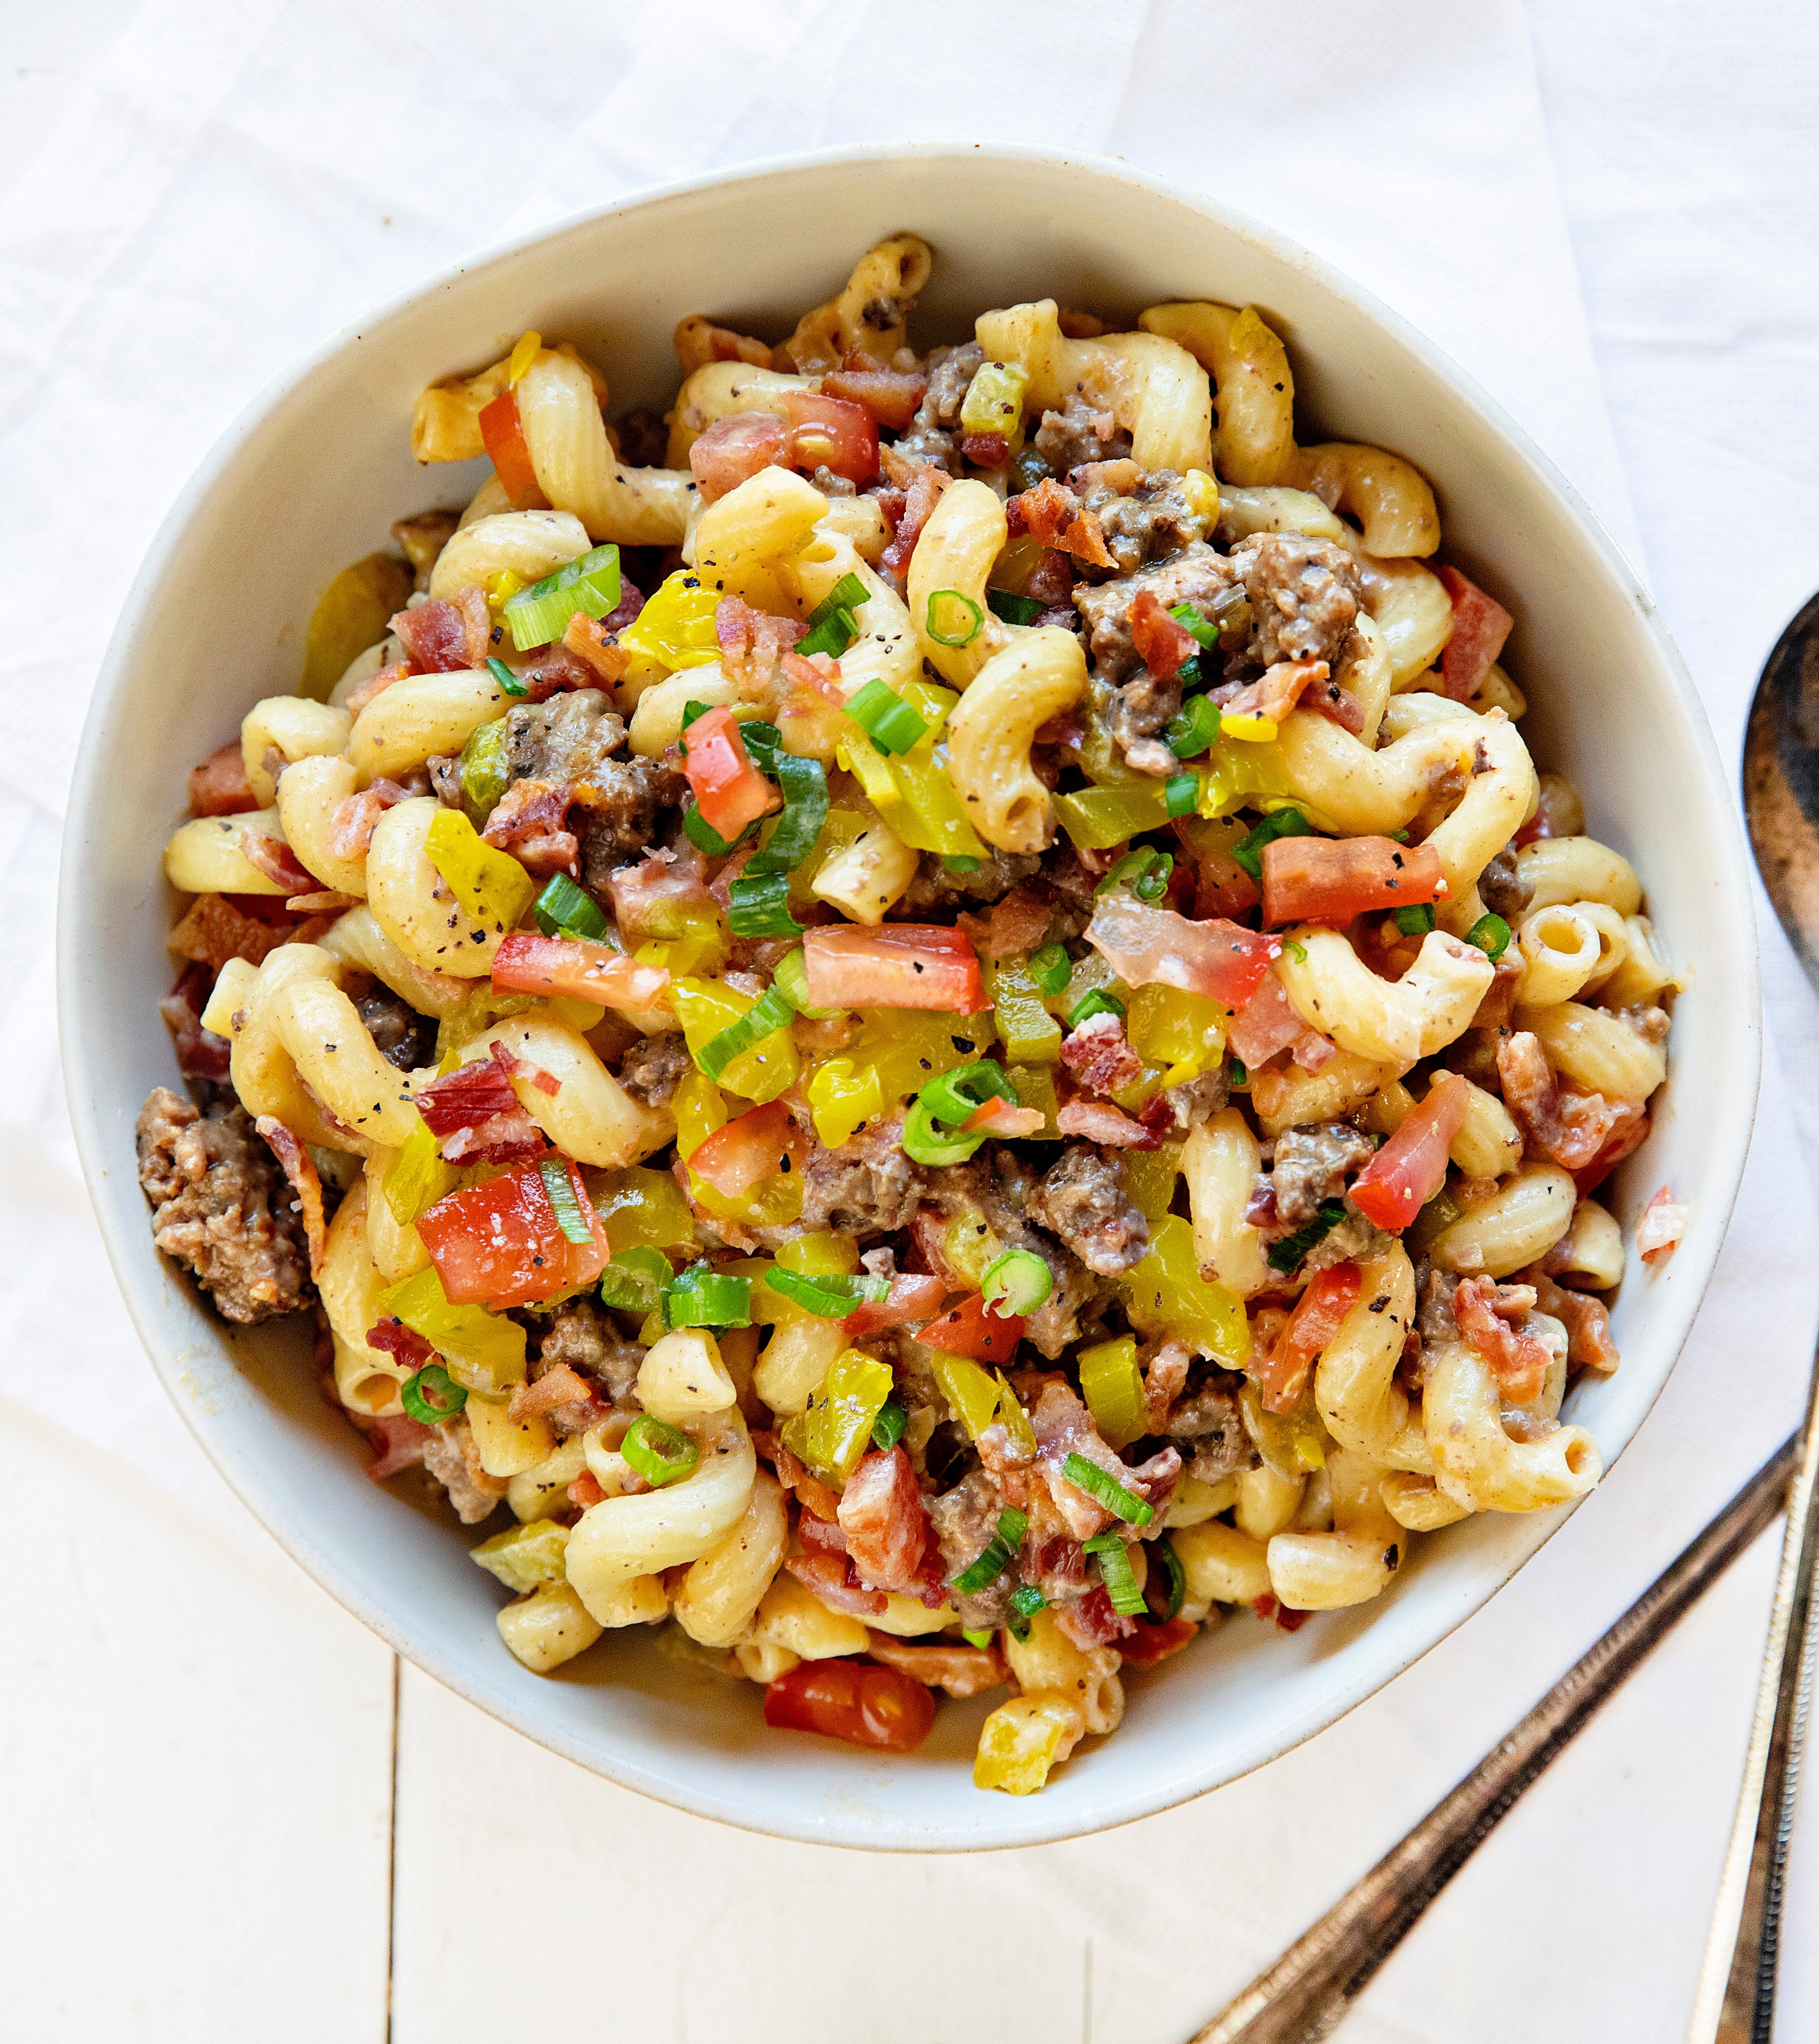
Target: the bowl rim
pixel 293 1532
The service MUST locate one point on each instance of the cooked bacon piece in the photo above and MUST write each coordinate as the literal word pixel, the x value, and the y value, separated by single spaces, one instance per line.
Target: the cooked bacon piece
pixel 392 1337
pixel 1286 1619
pixel 219 786
pixel 299 1167
pixel 1144 1645
pixel 562 1385
pixel 882 1515
pixel 435 635
pixel 1571 1128
pixel 833 1580
pixel 820 1536
pixel 212 930
pixel 1063 1427
pixel 651 898
pixel 890 395
pixel 1483 1309
pixel 201 1054
pixel 1089 1621
pixel 553 672
pixel 376 684
pixel 590 640
pixel 586 1490
pixel 397 1443
pixel 530 820
pixel 985 450
pixel 1331 1294
pixel 1586 1319
pixel 1017 924
pixel 1161 643
pixel 510 1138
pixel 1100 1122
pixel 1338 705
pixel 466 1097
pixel 351 827
pixel 735 448
pixel 1044 512
pixel 752 643
pixel 1278 691
pixel 1098 1056
pixel 1626 1137
pixel 1662 1224
pixel 698 341
pixel 817 1501
pixel 1480 625
pixel 276 860
pixel 922 485
pixel 961 1671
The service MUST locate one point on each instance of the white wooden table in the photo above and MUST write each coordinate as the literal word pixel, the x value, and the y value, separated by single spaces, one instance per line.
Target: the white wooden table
pixel 230 1815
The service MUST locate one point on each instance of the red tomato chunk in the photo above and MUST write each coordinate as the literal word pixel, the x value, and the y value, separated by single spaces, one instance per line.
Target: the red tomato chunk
pixel 972 1328
pixel 897 965
pixel 729 790
pixel 1331 880
pixel 852 1700
pixel 831 432
pixel 502 430
pixel 1410 1168
pixel 500 1244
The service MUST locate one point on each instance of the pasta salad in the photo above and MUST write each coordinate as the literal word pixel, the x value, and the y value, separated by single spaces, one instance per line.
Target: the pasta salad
pixel 925 1019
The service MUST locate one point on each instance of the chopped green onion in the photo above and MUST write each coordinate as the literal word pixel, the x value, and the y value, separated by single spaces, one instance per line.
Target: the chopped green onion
pixel 994 1558
pixel 1025 1601
pixel 1051 968
pixel 692 710
pixel 508 682
pixel 762 742
pixel 1491 934
pixel 848 594
pixel 805 785
pixel 770 1012
pixel 1182 795
pixel 1287 1253
pixel 1237 1071
pixel 1116 1573
pixel 1282 822
pixel 483 769
pixel 887 1428
pixel 829 1298
pixel 1296 949
pixel 1107 1490
pixel 537 615
pixel 1016 1283
pixel 887 719
pixel 1400 836
pixel 960 621
pixel 560 1188
pixel 1207 636
pixel 1098 1002
pixel 924 1142
pixel 1162 1550
pixel 660 1453
pixel 1197 727
pixel 758 905
pixel 790 979
pixel 1189 675
pixel 564 910
pixel 982 1638
pixel 959 861
pixel 701 1297
pixel 1416 922
pixel 703 836
pixel 955 1096
pixel 1014 609
pixel 415 1394
pixel 633 1281
pixel 1145 872
pixel 832 636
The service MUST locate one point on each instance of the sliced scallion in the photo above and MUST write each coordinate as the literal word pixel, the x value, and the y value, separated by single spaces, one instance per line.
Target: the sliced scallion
pixel 994 1558
pixel 703 836
pixel 885 718
pixel 1416 922
pixel 702 1297
pixel 633 1281
pixel 1107 1491
pixel 1248 851
pixel 758 905
pixel 1014 609
pixel 952 618
pixel 564 910
pixel 1016 1283
pixel 887 1428
pixel 982 1638
pixel 957 1096
pixel 828 1298
pixel 925 1141
pixel 1296 949
pixel 560 1187
pixel 660 1453
pixel 414 1395
pixel 805 785
pixel 1287 1253
pixel 832 636
pixel 1237 1072
pixel 848 594
pixel 508 683
pixel 790 979
pixel 1116 1573
pixel 1205 635
pixel 1098 1002
pixel 770 1012
pixel 1197 727
pixel 1144 872
pixel 1051 968
pixel 1491 934
pixel 1162 1549
pixel 540 614
pixel 1025 1601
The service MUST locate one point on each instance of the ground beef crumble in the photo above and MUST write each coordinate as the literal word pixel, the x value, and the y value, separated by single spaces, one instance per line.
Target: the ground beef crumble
pixel 221 1206
pixel 1196 575
pixel 866 1188
pixel 655 1067
pixel 582 1334
pixel 1082 1199
pixel 1304 594
pixel 1312 1165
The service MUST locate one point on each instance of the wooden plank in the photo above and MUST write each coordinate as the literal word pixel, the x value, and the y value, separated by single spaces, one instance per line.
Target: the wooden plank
pixel 195 1762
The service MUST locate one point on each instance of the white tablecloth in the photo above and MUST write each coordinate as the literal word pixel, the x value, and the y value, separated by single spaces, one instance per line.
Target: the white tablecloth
pixel 242 1820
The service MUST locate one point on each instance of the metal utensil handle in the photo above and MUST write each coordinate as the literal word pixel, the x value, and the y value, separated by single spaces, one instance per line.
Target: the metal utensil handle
pixel 1304 1995
pixel 1736 2001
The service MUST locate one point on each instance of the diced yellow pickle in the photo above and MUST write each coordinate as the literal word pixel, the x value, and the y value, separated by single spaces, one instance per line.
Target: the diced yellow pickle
pixel 1150 1177
pixel 1030 1034
pixel 1166 1294
pixel 524 1556
pixel 1112 1384
pixel 676 625
pixel 972 1392
pixel 352 614
pixel 1022 1740
pixel 485 1352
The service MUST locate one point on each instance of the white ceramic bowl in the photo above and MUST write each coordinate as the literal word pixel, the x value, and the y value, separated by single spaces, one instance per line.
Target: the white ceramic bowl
pixel 309 476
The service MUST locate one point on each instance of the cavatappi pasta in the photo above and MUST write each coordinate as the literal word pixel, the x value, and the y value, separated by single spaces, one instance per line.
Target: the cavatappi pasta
pixel 926 1019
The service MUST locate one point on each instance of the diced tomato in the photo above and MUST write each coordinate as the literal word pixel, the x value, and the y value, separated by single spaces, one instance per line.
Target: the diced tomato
pixel 854 1700
pixel 1266 1022
pixel 1331 880
pixel 219 786
pixel 897 965
pixel 1161 643
pixel 502 430
pixel 1150 1643
pixel 1480 625
pixel 910 1300
pixel 831 432
pixel 1148 946
pixel 527 963
pixel 1410 1168
pixel 890 395
pixel 729 789
pixel 1000 1118
pixel 735 448
pixel 1331 1294
pixel 753 1146
pixel 1630 1134
pixel 972 1328
pixel 500 1244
